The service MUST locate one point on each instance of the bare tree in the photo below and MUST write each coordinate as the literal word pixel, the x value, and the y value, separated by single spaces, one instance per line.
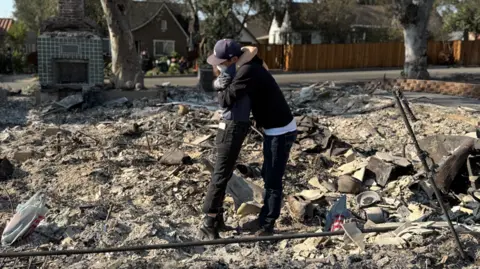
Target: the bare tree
pixel 413 15
pixel 125 61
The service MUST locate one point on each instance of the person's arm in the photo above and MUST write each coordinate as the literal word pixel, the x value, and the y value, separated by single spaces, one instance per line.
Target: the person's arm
pixel 240 86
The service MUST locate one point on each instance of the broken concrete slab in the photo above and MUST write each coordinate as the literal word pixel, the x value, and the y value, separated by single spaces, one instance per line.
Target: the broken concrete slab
pixel 353 235
pixel 360 174
pixel 437 146
pixel 382 170
pixel 299 207
pixel 244 191
pixel 348 184
pixel 387 157
pixel 71 101
pixel 311 195
pixel 351 167
pixel 451 164
pixel 349 155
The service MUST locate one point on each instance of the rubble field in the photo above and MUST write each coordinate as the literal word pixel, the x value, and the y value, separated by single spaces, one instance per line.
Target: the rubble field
pixel 136 173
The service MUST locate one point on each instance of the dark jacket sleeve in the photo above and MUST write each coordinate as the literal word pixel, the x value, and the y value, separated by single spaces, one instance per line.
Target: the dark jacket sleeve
pixel 240 86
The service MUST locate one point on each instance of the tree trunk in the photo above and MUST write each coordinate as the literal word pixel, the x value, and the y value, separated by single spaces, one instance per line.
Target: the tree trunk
pixel 125 61
pixel 415 66
pixel 413 15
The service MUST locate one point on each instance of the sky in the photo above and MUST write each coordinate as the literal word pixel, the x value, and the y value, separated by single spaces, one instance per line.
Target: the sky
pixel 6 8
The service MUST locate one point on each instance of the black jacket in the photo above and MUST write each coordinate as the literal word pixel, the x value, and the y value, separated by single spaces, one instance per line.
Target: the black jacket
pixel 269 107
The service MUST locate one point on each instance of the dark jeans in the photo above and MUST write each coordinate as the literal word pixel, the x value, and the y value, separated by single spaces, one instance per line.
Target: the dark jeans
pixel 276 151
pixel 229 143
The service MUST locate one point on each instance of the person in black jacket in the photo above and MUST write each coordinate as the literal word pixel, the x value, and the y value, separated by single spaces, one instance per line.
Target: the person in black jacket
pixel 272 114
pixel 232 130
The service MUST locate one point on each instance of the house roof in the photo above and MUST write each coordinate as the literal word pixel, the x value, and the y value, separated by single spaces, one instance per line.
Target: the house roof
pixel 237 22
pixel 258 25
pixel 302 16
pixel 372 15
pixel 145 11
pixel 5 24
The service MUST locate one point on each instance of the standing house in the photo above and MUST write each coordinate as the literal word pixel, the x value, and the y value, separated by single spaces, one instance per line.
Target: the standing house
pixel 371 23
pixel 245 35
pixel 258 27
pixel 294 28
pixel 160 28
pixel 5 24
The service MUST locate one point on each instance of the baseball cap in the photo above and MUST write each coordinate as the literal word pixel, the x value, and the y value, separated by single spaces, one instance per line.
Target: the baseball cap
pixel 224 50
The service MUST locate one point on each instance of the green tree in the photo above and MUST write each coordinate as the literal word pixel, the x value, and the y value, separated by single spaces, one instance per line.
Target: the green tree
pixel 462 15
pixel 94 11
pixel 224 19
pixel 33 12
pixel 17 34
pixel 333 17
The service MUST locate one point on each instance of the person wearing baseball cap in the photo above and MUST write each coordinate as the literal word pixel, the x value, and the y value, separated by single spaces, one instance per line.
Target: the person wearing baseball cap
pixel 232 130
pixel 272 115
pixel 225 53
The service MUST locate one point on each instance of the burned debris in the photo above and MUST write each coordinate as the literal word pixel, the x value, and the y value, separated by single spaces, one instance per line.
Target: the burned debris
pixel 129 175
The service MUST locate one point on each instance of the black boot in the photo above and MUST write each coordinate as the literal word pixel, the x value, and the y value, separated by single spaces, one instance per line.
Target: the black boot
pixel 209 229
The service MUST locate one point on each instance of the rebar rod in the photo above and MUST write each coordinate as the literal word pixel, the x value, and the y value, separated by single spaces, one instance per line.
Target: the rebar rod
pixel 184 244
pixel 429 174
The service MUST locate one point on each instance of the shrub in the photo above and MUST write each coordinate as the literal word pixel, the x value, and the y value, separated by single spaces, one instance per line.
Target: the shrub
pixel 174 68
pixel 175 55
pixel 154 72
pixel 18 61
pixel 107 70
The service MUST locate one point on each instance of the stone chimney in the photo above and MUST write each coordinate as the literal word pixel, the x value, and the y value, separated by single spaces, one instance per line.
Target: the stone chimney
pixel 71 9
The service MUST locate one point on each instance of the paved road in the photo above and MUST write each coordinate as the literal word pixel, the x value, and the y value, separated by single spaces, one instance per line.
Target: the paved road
pixel 344 76
pixel 21 81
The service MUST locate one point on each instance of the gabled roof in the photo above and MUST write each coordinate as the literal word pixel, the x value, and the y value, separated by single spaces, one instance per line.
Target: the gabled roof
pixel 234 19
pixel 5 24
pixel 143 12
pixel 258 25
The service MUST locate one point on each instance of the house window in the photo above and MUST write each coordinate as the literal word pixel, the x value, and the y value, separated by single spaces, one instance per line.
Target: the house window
pixel 306 38
pixel 137 46
pixel 163 25
pixel 106 45
pixel 163 47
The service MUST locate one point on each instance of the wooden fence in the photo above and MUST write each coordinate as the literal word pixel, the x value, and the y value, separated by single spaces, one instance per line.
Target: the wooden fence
pixel 362 55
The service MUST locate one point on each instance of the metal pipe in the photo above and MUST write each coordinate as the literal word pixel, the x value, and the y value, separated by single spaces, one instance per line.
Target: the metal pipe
pixel 183 244
pixel 406 105
pixel 422 157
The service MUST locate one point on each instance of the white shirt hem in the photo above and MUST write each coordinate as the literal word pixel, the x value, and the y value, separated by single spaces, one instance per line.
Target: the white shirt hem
pixel 292 126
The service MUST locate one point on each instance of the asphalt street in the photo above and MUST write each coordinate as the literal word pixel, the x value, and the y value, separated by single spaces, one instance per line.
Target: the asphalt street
pixel 285 79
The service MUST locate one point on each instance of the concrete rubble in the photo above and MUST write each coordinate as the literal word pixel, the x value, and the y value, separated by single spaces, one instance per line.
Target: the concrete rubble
pixel 132 174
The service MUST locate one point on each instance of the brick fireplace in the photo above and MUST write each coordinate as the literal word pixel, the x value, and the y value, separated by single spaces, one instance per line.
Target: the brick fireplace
pixel 69 48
